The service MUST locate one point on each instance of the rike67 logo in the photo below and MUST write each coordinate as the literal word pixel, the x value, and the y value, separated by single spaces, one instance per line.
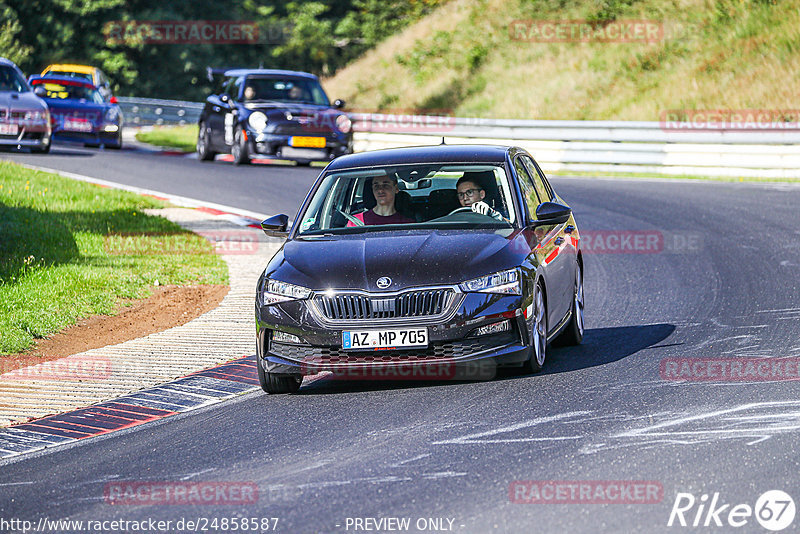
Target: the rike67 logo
pixel 774 510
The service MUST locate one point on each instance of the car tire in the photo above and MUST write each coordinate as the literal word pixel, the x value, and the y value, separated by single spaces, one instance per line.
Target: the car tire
pixel 91 145
pixel 538 355
pixel 203 152
pixel 278 384
pixel 239 151
pixel 573 333
pixel 117 145
pixel 43 150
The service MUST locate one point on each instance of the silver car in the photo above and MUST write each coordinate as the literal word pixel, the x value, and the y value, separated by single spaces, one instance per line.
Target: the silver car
pixel 24 117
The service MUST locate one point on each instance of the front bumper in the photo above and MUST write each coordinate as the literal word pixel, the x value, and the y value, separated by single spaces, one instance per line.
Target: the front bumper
pixel 99 137
pixel 451 349
pixel 30 135
pixel 280 146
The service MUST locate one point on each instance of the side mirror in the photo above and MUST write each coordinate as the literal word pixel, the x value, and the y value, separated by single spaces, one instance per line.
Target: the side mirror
pixel 40 91
pixel 276 225
pixel 338 104
pixel 224 98
pixel 552 213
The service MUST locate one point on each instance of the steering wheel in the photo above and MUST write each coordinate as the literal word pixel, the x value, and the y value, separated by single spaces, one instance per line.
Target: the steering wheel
pixel 462 209
pixel 352 219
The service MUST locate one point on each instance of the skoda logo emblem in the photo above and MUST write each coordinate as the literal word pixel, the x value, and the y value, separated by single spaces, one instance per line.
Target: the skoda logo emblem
pixel 383 282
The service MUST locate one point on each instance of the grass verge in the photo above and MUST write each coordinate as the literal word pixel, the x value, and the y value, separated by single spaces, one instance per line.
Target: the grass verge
pixel 483 58
pixel 70 249
pixel 179 137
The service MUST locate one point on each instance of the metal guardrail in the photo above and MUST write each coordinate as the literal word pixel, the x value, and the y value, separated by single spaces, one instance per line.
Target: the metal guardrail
pixel 593 146
pixel 150 112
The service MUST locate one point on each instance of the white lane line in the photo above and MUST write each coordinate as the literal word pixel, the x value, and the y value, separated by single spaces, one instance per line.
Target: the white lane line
pixel 653 430
pixel 174 199
pixel 475 438
pixel 409 460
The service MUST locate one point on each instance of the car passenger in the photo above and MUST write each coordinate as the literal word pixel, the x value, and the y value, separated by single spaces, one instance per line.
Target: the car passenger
pixel 249 93
pixel 385 189
pixel 471 194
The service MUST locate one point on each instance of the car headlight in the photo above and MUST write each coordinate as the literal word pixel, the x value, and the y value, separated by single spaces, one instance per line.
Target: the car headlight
pixel 505 282
pixel 273 292
pixel 35 115
pixel 343 123
pixel 257 120
pixel 112 114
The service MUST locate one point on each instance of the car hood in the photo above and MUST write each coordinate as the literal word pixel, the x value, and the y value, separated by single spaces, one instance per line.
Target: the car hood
pixel 21 101
pixel 409 258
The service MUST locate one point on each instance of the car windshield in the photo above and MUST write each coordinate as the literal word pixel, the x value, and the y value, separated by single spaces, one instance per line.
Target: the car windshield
pixel 10 80
pixel 63 90
pixel 295 90
pixel 419 196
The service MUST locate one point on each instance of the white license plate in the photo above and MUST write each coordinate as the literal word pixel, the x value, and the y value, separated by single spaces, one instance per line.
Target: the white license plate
pixel 9 129
pixel 77 126
pixel 385 339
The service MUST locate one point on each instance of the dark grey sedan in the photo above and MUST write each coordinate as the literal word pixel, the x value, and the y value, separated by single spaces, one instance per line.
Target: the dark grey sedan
pixel 419 263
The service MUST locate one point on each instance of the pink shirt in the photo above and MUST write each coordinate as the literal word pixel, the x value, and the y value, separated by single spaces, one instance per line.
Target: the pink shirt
pixel 371 218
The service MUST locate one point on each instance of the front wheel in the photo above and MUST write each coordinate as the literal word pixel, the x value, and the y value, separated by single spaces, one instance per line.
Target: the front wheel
pixel 42 150
pixel 278 384
pixel 538 333
pixel 573 333
pixel 204 153
pixel 239 151
pixel 118 143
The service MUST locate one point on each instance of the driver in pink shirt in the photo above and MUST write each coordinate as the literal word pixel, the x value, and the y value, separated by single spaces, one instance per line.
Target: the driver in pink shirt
pixel 385 189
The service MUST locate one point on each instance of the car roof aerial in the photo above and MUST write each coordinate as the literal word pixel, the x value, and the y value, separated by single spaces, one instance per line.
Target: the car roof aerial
pixel 423 154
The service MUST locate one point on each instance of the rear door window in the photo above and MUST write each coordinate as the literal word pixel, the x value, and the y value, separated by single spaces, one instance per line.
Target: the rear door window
pixel 526 185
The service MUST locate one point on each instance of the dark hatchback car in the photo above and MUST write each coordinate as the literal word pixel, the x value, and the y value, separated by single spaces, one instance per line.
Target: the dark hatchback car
pixel 444 286
pixel 273 113
pixel 80 112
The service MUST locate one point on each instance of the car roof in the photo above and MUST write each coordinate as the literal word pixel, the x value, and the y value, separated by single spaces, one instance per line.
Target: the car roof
pixel 6 62
pixel 85 69
pixel 269 72
pixel 423 154
pixel 68 80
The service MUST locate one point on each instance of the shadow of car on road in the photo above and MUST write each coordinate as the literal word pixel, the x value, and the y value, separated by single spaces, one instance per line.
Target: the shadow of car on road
pixel 600 346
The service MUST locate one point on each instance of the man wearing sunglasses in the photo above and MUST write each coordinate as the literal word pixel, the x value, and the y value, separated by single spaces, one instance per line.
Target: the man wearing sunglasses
pixel 471 194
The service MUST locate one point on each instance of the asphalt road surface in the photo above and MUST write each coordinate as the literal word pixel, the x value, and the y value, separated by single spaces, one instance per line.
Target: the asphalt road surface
pixel 720 280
